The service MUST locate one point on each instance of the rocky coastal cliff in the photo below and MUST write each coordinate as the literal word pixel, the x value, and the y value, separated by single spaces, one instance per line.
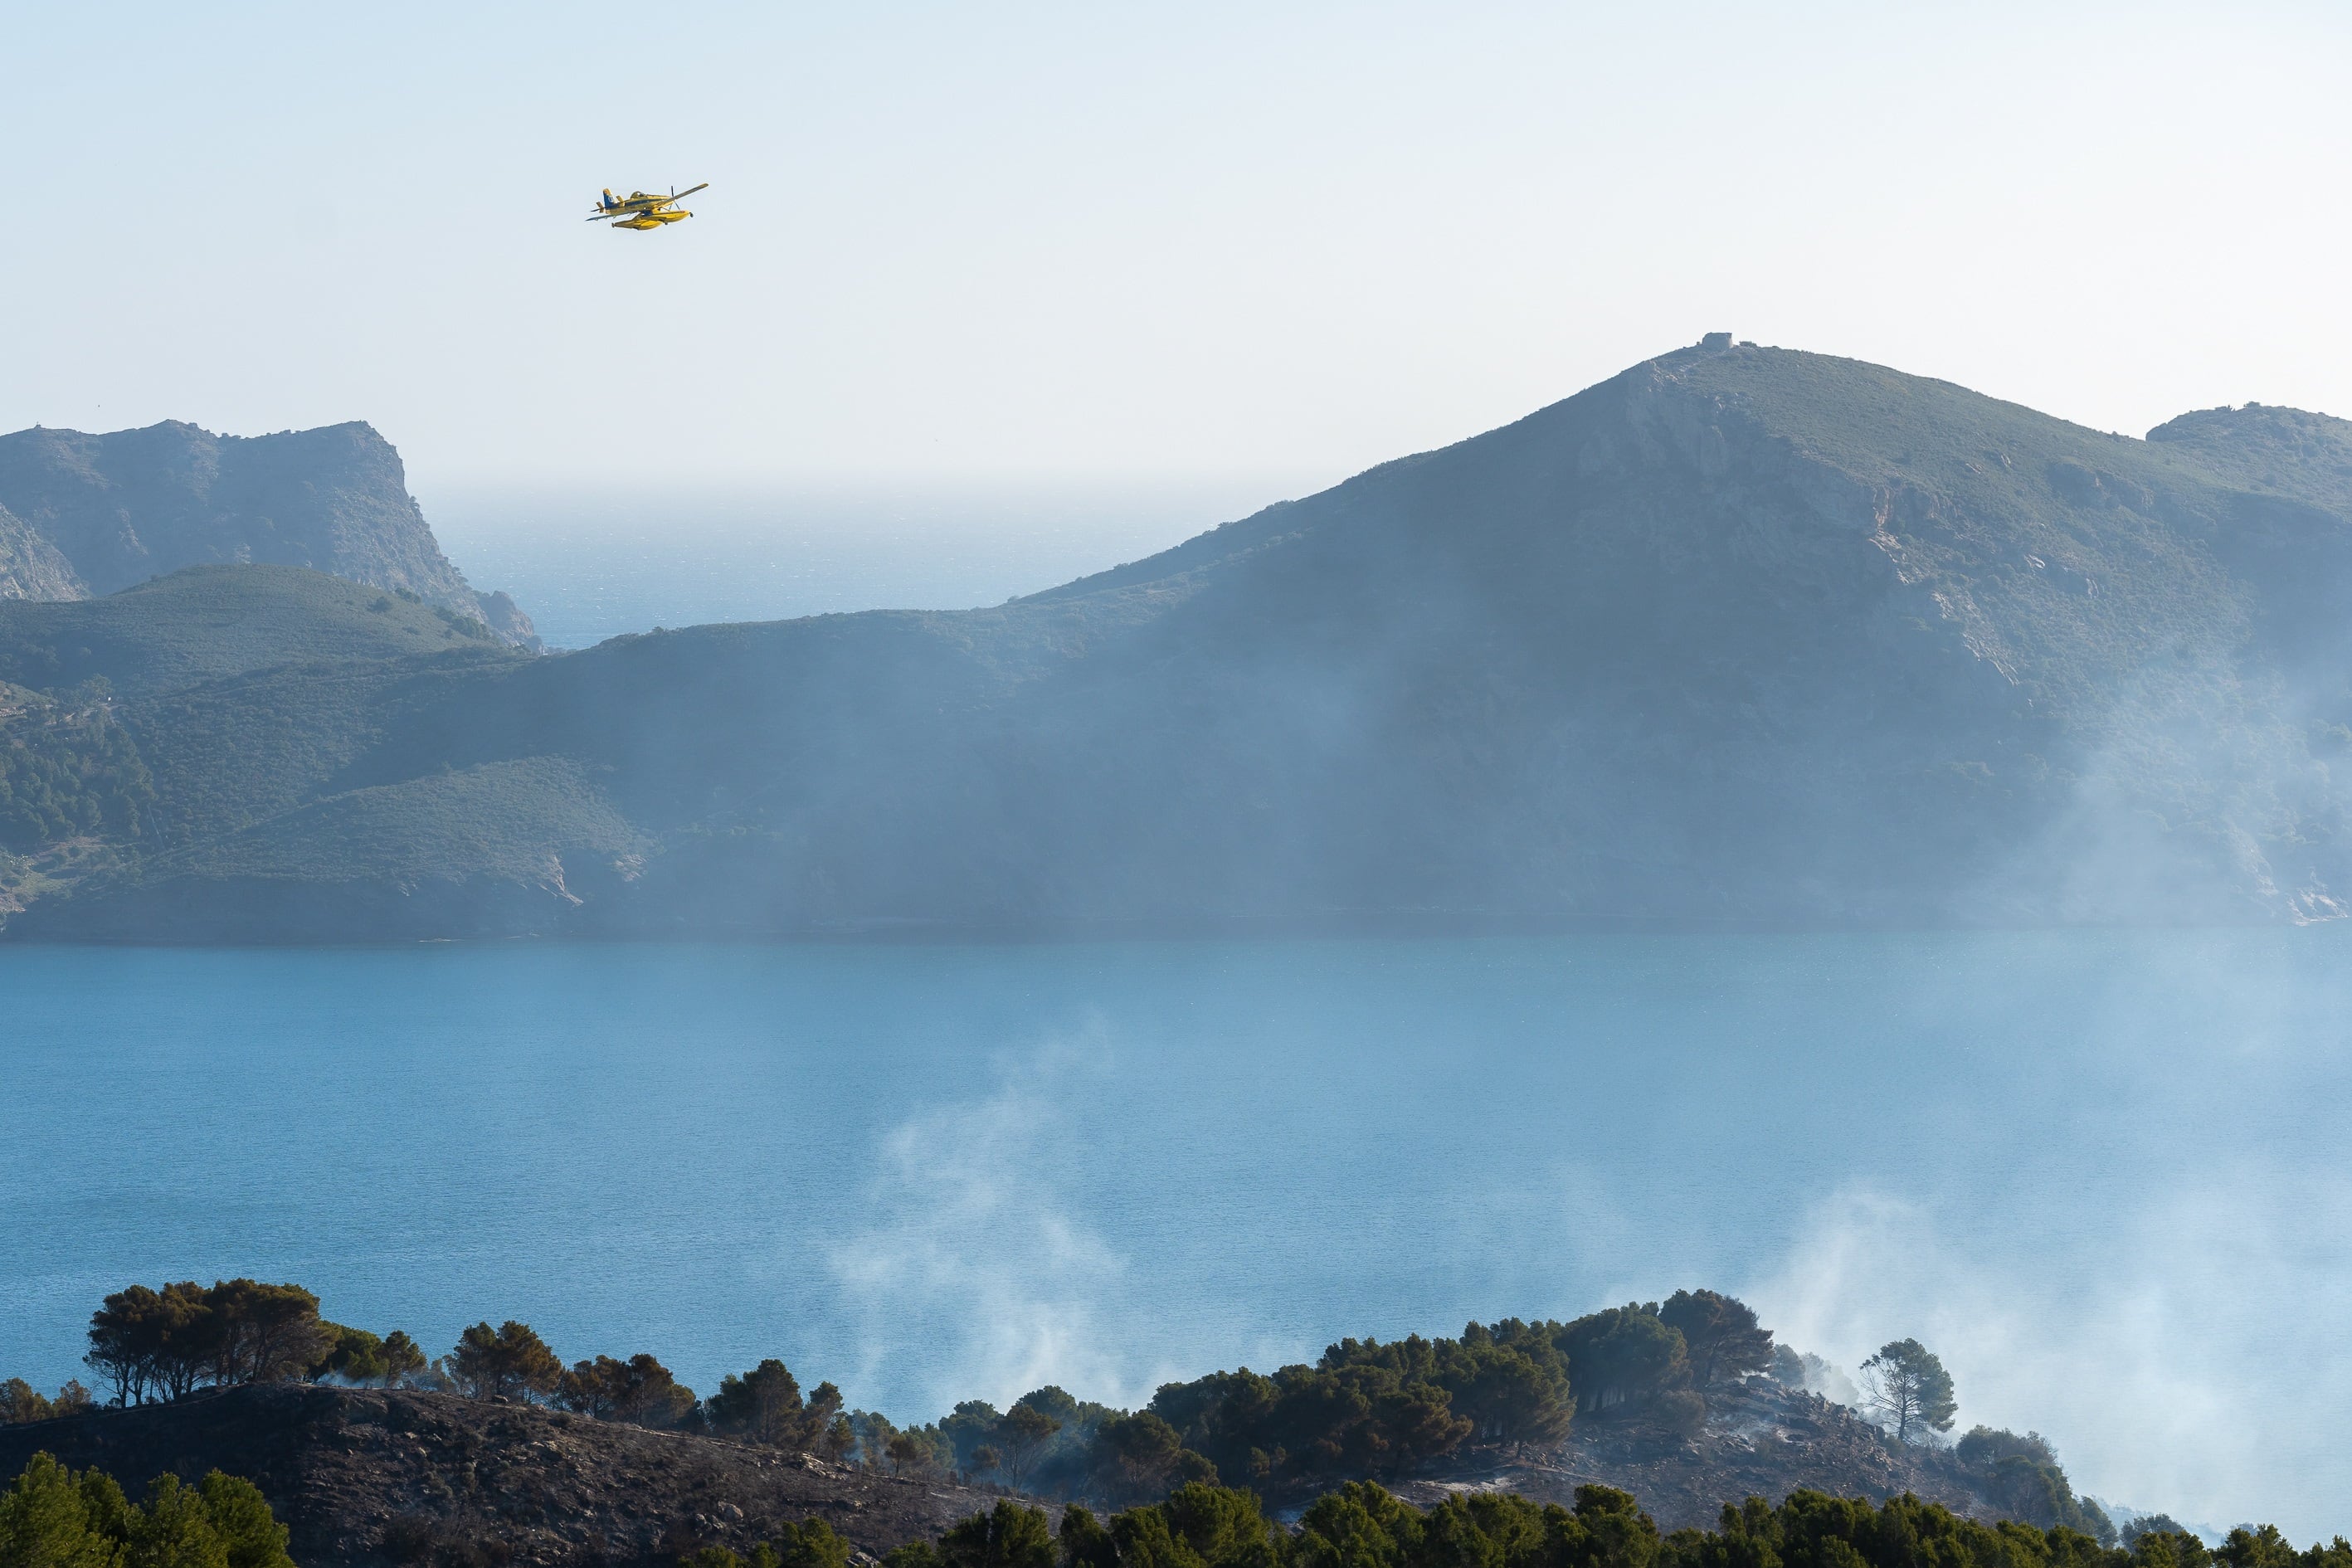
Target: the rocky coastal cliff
pixel 93 514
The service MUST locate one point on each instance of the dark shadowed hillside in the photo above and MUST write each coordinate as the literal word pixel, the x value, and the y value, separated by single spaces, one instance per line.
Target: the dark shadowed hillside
pixel 361 1477
pixel 1742 635
pixel 365 1478
pixel 110 510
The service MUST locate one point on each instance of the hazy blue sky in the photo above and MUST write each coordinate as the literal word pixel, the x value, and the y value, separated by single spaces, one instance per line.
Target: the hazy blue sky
pixel 1126 242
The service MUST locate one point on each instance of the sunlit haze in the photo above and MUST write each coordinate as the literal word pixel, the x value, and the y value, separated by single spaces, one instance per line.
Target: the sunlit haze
pixel 1219 243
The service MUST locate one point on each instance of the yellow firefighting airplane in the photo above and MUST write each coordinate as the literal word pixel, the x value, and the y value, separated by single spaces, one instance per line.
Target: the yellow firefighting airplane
pixel 643 212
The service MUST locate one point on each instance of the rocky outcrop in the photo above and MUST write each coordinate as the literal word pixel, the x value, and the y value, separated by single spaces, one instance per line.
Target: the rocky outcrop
pixel 122 508
pixel 503 616
pixel 30 566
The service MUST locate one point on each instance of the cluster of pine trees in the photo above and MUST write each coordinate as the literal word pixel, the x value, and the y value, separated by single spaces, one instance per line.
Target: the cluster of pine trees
pixel 150 1344
pixel 21 1401
pixel 1365 1409
pixel 67 767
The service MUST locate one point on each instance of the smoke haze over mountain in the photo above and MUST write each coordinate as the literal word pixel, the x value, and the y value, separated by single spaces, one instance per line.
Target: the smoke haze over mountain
pixel 1739 634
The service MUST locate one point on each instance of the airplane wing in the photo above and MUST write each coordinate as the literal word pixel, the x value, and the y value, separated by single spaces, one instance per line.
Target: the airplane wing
pixel 690 191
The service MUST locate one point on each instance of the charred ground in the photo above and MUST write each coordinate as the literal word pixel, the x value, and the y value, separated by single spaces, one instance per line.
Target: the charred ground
pixel 1763 1440
pixel 366 1476
pixel 369 1478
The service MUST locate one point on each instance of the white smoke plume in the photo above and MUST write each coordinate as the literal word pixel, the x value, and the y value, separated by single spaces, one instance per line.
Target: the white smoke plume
pixel 971 1278
pixel 2154 1358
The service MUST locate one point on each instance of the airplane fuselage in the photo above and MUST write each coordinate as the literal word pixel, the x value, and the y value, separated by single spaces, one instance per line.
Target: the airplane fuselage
pixel 643 212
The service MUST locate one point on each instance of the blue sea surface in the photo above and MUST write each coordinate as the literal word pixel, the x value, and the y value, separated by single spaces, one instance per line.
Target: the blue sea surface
pixel 2104 1173
pixel 588 565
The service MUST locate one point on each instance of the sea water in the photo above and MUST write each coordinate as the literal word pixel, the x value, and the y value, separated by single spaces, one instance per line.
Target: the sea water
pixel 588 565
pixel 2104 1174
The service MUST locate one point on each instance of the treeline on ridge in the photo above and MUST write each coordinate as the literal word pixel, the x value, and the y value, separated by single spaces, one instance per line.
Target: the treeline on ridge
pixel 1364 1410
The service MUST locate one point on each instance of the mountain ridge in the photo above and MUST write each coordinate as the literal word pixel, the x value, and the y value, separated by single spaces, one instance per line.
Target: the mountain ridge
pixel 1738 635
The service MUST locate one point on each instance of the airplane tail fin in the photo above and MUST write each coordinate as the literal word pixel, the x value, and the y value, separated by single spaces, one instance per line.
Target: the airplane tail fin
pixel 609 201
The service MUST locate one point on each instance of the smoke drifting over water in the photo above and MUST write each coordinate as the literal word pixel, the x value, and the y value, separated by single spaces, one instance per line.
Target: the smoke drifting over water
pixel 2171 1348
pixel 974 1263
pixel 2101 1173
pixel 2098 1205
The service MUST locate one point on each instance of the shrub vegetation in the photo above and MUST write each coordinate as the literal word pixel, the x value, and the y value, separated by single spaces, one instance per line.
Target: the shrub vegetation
pixel 1359 1524
pixel 52 1517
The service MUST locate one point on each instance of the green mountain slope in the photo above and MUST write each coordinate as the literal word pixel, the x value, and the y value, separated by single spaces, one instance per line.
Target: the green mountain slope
pixel 210 622
pixel 240 692
pixel 1748 635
